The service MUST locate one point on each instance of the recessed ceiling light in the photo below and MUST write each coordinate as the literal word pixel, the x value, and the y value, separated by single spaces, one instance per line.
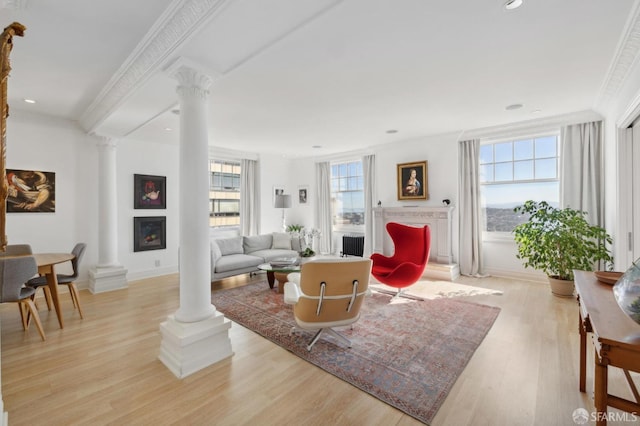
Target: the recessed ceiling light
pixel 391 131
pixel 513 107
pixel 513 4
pixel 30 101
pixel 536 111
pixel 168 129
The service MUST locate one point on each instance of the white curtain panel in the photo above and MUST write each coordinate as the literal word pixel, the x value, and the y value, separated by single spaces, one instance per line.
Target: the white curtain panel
pixel 581 174
pixel 470 244
pixel 250 199
pixel 369 171
pixel 323 205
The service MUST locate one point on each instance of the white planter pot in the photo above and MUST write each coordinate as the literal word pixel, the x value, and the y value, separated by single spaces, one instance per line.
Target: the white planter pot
pixel 561 288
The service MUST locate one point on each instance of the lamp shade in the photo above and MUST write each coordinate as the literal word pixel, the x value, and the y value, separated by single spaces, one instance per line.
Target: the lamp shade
pixel 283 201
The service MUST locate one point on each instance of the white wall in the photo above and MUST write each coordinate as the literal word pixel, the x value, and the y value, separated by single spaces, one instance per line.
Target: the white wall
pixel 618 110
pixel 147 158
pixel 37 142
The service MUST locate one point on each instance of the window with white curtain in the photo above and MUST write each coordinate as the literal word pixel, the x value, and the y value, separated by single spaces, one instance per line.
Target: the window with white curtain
pixel 224 193
pixel 514 171
pixel 347 195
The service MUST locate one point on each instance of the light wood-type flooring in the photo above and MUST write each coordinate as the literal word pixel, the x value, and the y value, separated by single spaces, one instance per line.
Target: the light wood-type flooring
pixel 105 369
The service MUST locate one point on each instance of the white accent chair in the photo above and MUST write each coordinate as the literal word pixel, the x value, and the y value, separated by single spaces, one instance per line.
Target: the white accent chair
pixel 327 294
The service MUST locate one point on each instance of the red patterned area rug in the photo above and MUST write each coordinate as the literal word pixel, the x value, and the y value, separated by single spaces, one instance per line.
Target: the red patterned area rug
pixel 407 354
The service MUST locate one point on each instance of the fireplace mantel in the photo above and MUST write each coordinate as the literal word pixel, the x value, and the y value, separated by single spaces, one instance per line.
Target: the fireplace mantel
pixel 439 220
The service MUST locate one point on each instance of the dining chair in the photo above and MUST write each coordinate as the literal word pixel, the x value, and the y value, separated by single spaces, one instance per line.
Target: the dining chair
pixel 16 250
pixel 68 280
pixel 14 272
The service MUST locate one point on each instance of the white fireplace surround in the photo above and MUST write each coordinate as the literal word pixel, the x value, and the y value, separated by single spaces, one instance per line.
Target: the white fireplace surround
pixel 439 219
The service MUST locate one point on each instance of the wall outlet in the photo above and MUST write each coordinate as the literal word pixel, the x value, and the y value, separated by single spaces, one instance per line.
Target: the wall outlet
pixel 157 262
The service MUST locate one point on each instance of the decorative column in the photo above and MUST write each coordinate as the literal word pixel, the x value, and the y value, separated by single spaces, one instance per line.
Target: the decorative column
pixel 196 336
pixel 108 274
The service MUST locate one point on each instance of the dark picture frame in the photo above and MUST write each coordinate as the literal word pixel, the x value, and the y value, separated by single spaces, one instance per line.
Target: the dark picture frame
pixel 149 192
pixel 31 191
pixel 413 187
pixel 303 194
pixel 149 233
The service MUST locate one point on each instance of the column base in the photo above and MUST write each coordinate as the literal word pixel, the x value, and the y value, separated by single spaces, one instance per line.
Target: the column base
pixel 188 347
pixel 107 279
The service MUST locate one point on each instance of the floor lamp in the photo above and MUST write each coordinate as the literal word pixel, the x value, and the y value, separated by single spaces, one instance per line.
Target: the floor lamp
pixel 283 201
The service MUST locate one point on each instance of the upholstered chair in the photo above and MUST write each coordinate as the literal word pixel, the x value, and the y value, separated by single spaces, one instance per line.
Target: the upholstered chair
pixel 329 294
pixel 68 280
pixel 411 255
pixel 14 272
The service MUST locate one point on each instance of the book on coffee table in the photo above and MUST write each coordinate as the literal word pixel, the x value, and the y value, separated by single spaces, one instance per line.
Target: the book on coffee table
pixel 283 262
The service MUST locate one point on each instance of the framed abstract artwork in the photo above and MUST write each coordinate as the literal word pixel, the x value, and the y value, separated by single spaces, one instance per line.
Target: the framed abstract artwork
pixel 412 181
pixel 149 192
pixel 149 233
pixel 31 191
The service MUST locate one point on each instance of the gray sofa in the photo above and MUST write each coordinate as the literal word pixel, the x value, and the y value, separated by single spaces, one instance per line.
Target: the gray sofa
pixel 241 255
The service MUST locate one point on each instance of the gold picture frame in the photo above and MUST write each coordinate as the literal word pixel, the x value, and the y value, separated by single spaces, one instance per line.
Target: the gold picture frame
pixel 413 181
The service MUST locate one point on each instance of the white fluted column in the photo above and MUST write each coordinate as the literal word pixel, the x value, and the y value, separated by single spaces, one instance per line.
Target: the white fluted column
pixel 108 273
pixel 196 336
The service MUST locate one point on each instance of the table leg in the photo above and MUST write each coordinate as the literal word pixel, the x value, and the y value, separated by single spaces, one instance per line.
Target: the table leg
pixel 600 391
pixel 271 278
pixel 583 356
pixel 52 280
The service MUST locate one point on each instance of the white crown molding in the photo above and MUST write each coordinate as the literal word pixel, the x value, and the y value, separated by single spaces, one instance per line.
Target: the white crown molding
pixel 529 126
pixel 179 23
pixel 627 54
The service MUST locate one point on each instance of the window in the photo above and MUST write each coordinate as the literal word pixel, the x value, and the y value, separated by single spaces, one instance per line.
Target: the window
pixel 514 171
pixel 347 194
pixel 224 193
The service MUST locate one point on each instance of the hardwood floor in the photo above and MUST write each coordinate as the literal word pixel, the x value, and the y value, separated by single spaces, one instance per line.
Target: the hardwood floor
pixel 105 369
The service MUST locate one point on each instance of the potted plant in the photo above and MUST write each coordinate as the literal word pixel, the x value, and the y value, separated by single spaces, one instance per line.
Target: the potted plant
pixel 557 241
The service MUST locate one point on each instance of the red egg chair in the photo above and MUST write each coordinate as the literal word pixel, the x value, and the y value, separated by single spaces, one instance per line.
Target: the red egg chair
pixel 410 257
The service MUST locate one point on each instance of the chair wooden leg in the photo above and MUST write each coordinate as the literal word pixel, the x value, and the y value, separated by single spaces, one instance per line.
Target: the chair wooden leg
pixel 74 297
pixel 22 317
pixel 34 313
pixel 47 296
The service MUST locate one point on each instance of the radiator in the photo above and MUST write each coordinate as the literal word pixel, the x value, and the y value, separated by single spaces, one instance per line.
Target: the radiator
pixel 352 245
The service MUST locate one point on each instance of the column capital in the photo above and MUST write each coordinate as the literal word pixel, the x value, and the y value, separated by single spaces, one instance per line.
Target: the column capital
pixel 192 82
pixel 105 141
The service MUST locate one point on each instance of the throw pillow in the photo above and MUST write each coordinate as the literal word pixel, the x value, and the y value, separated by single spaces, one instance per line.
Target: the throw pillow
pixel 230 245
pixel 281 240
pixel 257 242
pixel 215 250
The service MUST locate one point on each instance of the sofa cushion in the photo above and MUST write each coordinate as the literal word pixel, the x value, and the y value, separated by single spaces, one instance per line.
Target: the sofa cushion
pixel 257 242
pixel 281 240
pixel 232 262
pixel 272 254
pixel 230 245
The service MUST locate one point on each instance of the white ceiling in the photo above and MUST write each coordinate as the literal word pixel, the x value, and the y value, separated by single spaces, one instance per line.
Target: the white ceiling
pixel 290 74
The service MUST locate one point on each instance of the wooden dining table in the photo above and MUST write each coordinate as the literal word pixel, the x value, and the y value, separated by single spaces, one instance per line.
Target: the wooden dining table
pixel 46 266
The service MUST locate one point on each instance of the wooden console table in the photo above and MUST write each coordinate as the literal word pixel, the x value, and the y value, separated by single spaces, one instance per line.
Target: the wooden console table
pixel 616 339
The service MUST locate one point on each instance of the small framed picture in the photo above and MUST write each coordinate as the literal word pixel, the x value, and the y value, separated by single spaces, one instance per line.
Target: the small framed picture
pixel 303 194
pixel 277 190
pixel 149 233
pixel 30 191
pixel 149 192
pixel 412 181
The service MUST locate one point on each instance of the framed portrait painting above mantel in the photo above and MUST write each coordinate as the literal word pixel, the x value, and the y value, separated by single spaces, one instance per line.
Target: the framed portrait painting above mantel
pixel 149 192
pixel 412 181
